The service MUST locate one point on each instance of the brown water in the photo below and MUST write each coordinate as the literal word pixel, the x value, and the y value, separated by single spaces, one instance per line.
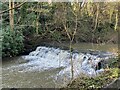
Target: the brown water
pixel 16 78
pixel 107 47
pixel 45 79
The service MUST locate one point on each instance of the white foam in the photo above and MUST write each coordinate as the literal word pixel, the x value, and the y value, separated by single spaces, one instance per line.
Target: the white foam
pixel 44 58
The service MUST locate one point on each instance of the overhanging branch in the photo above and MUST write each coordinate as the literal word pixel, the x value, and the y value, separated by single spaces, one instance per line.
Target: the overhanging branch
pixel 17 6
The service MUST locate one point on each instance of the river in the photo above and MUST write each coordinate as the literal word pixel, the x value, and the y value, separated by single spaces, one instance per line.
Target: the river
pixel 19 72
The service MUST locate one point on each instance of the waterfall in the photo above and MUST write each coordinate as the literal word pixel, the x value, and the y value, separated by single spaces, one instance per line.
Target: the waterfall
pixel 46 58
pixel 49 57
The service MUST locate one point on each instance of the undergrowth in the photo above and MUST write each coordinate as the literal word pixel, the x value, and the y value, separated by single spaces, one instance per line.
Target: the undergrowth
pixel 83 82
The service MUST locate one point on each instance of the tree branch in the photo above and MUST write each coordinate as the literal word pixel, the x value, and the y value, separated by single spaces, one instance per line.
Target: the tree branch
pixel 17 6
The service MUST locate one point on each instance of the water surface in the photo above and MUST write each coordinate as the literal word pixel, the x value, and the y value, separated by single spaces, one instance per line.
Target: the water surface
pixel 15 77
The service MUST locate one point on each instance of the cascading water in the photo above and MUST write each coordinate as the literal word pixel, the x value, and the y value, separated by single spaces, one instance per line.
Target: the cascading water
pixel 49 59
pixel 44 58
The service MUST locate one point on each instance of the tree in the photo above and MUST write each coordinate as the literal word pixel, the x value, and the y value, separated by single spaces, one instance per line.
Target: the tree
pixel 11 14
pixel 70 31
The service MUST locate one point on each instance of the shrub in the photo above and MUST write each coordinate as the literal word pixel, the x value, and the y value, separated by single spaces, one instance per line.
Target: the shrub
pixel 12 43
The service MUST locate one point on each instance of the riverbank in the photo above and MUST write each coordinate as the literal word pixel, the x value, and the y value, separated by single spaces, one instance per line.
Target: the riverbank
pixel 108 79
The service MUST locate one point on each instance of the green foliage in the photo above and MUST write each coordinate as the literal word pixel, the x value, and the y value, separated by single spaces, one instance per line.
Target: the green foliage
pixel 12 42
pixel 49 20
pixel 28 30
pixel 56 36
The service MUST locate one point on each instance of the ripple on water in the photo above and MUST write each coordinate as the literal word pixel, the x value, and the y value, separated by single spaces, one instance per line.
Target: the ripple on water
pixel 48 67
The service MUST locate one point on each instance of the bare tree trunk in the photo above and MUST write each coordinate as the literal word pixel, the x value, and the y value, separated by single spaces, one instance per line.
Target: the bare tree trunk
pixel 37 25
pixel 71 35
pixel 111 13
pixel 96 22
pixel 116 23
pixel 72 71
pixel 118 34
pixel 11 14
pixel 37 21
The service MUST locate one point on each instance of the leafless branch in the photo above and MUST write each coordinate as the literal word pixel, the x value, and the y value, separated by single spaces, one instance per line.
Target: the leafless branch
pixel 17 6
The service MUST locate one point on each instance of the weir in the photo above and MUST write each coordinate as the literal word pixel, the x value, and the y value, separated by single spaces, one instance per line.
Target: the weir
pixel 44 58
pixel 53 65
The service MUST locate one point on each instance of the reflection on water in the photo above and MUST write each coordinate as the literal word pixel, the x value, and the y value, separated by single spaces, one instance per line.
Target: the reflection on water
pixel 107 47
pixel 40 79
